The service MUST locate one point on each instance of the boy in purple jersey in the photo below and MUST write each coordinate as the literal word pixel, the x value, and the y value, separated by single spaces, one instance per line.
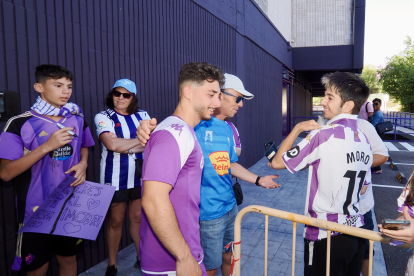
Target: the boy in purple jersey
pixel 37 150
pixel 339 158
pixel 172 169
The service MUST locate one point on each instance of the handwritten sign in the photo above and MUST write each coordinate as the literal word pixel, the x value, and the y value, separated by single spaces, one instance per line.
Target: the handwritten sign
pixel 72 211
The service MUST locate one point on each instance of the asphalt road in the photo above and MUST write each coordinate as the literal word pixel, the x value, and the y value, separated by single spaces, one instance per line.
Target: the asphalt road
pixel 386 203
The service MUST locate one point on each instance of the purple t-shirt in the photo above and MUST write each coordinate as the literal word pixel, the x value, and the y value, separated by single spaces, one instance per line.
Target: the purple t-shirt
pixel 236 135
pixel 173 156
pixel 24 133
pixel 365 108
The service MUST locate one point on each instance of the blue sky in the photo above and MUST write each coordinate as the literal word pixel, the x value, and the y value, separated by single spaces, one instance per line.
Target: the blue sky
pixel 387 24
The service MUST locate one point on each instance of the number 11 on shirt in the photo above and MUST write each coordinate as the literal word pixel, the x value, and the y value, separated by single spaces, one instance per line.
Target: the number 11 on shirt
pixel 352 178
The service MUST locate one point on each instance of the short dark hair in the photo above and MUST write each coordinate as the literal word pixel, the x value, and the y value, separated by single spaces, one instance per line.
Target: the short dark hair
pixel 199 72
pixel 349 86
pixel 132 108
pixel 377 100
pixel 45 72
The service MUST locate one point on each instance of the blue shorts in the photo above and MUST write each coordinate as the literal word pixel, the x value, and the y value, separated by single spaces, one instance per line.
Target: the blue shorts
pixel 369 224
pixel 215 235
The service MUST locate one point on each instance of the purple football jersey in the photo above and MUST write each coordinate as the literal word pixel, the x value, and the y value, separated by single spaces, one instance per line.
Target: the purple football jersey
pixel 173 156
pixel 24 133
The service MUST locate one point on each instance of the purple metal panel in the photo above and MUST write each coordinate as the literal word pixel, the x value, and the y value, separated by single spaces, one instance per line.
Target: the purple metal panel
pixel 359 33
pixel 323 58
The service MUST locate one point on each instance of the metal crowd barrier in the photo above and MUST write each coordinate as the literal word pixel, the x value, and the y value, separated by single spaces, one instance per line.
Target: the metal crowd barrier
pixel 330 226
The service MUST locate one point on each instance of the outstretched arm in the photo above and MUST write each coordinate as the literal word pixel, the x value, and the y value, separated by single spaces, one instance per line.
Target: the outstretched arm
pixel 267 182
pixel 277 162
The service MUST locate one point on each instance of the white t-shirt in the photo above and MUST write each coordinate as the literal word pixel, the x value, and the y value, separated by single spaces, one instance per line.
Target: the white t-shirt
pixel 339 158
pixel 378 147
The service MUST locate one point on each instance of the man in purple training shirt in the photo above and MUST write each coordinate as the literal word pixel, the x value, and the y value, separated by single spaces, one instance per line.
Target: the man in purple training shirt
pixel 170 231
pixel 37 150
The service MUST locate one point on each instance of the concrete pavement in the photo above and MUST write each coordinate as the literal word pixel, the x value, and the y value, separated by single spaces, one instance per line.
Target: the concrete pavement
pixel 289 197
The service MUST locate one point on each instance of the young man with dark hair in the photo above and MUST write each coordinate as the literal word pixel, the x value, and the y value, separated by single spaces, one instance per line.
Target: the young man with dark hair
pixel 172 169
pixel 37 150
pixel 218 209
pixel 339 158
pixel 378 116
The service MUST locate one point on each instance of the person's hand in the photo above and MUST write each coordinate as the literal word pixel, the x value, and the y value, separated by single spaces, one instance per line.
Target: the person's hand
pixel 364 189
pixel 80 174
pixel 405 235
pixel 58 138
pixel 188 267
pixel 268 183
pixel 144 130
pixel 307 126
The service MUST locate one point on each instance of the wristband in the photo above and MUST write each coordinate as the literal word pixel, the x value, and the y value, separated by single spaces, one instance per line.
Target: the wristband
pixel 257 180
pixel 131 152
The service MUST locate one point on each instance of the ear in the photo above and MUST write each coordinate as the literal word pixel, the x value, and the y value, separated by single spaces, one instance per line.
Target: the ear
pixel 187 92
pixel 347 107
pixel 38 87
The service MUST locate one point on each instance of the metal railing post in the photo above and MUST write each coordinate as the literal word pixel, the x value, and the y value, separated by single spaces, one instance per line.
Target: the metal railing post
pixel 328 252
pixel 328 225
pixel 293 248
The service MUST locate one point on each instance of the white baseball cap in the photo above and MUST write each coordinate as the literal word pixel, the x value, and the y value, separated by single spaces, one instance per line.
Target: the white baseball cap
pixel 235 83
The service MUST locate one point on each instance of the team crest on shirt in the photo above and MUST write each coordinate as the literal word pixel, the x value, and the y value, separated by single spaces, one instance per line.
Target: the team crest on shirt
pixel 220 161
pixel 101 124
pixel 292 153
pixel 209 136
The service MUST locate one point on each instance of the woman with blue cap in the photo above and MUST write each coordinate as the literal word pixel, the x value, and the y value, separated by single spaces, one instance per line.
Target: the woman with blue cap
pixel 121 163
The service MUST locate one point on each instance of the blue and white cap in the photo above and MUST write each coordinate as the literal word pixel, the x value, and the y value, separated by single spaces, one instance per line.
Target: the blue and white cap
pixel 127 84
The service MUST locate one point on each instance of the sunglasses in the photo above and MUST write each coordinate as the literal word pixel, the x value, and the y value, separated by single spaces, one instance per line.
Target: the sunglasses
pixel 118 94
pixel 239 99
pixel 376 103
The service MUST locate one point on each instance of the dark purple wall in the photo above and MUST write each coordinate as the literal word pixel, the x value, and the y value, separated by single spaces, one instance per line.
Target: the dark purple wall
pixel 147 41
pixel 323 58
pixel 359 33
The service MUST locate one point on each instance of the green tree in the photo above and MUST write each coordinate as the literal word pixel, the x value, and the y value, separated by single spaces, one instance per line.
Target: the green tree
pixel 397 77
pixel 369 75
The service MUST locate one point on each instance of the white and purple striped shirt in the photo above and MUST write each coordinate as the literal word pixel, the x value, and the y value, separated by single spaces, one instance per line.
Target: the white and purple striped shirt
pixel 119 168
pixel 339 157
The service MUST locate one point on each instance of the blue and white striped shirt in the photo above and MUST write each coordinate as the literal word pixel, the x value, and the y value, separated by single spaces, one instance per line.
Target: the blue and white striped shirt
pixel 119 168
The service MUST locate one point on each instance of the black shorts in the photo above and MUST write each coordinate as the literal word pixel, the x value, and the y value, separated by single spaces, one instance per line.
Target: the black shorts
pixel 346 256
pixel 35 249
pixel 369 224
pixel 127 195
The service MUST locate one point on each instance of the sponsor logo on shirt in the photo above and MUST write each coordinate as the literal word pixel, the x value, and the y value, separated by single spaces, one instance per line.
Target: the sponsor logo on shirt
pixel 43 133
pixel 178 128
pixel 220 161
pixel 101 124
pixel 293 152
pixel 209 136
pixel 62 153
